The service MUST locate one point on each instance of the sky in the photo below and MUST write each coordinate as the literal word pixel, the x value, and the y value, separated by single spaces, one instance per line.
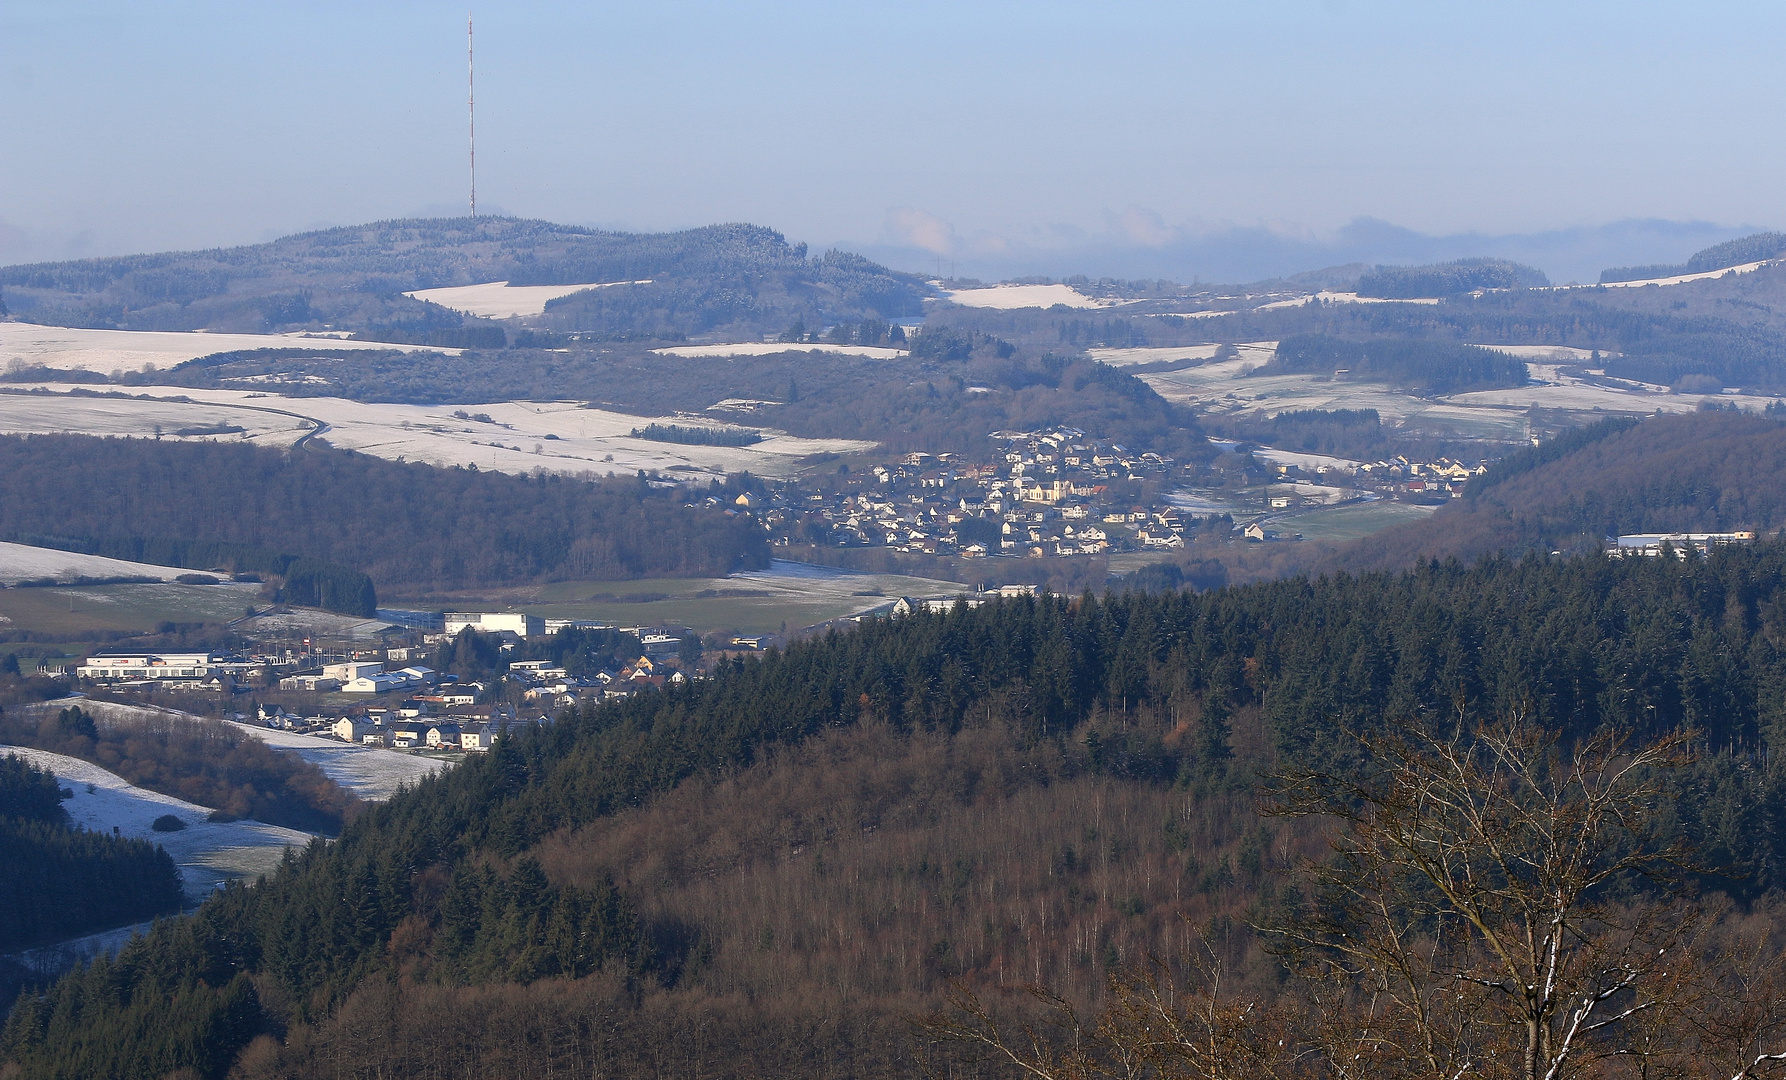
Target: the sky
pixel 1129 138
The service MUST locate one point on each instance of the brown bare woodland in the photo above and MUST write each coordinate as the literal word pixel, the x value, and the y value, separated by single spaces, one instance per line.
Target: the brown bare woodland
pixel 1496 904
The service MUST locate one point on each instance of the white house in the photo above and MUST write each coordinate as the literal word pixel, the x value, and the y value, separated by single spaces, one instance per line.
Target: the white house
pixel 477 738
pixel 353 729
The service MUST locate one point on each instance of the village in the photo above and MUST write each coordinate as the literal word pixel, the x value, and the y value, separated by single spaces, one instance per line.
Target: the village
pixel 1060 493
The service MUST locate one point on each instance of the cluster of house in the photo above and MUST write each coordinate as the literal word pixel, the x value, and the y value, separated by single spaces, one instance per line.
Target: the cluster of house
pixel 909 605
pixel 1050 493
pixel 1047 496
pixel 548 685
pixel 1441 477
pixel 413 725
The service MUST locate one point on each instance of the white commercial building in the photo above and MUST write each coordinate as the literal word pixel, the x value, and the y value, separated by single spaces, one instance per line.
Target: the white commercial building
pixel 154 666
pixel 347 673
pixel 494 622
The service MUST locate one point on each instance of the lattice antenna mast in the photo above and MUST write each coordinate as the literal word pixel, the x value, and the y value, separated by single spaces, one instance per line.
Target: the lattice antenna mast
pixel 471 109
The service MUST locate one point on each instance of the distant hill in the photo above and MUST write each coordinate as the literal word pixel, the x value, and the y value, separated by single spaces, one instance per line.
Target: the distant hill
pixel 1700 472
pixel 1448 279
pixel 1738 252
pixel 741 277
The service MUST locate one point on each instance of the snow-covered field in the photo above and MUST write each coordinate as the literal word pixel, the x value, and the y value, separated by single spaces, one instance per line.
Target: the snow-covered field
pixel 1252 353
pixel 110 351
pixel 207 852
pixel 1678 279
pixel 367 771
pixel 770 348
pixel 1007 297
pixel 1556 354
pixel 1152 355
pixel 1586 396
pixel 1227 388
pixel 500 300
pixel 19 563
pixel 520 437
pixel 1307 462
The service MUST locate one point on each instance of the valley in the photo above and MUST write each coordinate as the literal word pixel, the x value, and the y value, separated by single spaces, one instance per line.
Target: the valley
pixel 777 666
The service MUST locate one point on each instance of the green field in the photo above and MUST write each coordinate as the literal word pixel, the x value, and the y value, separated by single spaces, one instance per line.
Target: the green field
pixel 1342 523
pixel 790 596
pixel 77 609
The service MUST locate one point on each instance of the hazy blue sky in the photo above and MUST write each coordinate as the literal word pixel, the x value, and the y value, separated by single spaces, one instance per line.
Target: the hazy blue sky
pixel 1057 133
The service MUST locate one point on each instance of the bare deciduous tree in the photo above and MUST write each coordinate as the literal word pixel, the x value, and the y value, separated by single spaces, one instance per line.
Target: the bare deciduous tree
pixel 1470 916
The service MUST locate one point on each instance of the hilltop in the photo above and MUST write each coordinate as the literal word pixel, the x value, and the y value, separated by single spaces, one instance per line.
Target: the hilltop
pixel 734 277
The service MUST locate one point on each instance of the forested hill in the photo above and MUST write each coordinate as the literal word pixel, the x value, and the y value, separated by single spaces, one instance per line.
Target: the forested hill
pixel 766 872
pixel 414 528
pixel 742 276
pixel 1699 472
pixel 1448 279
pixel 1746 249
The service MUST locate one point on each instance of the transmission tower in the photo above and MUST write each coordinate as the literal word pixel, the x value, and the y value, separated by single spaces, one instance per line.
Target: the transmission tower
pixel 471 110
